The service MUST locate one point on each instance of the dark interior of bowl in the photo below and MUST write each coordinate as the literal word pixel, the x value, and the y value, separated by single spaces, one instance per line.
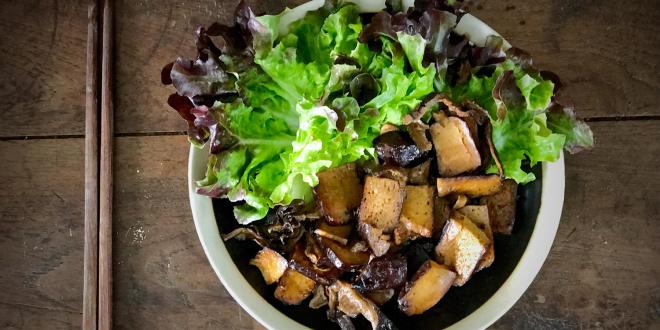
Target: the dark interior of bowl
pixel 458 303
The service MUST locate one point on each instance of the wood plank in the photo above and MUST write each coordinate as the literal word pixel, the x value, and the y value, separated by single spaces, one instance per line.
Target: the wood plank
pixel 150 34
pixel 606 52
pixel 162 279
pixel 41 234
pixel 42 67
pixel 603 270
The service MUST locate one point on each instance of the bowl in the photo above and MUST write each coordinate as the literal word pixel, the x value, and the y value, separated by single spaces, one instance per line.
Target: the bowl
pixel 476 305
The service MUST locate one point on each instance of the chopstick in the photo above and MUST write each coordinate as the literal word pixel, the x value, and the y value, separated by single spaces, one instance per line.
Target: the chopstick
pixel 90 268
pixel 105 186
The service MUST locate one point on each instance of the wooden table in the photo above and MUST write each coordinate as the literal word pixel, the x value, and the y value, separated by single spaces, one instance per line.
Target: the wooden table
pixel 604 268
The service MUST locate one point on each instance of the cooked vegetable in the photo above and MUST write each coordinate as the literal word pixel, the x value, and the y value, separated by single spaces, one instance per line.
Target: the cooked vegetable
pixel 479 215
pixel 319 298
pixel 319 273
pixel 472 186
pixel 454 147
pixel 338 234
pixel 461 200
pixel 502 207
pixel 338 193
pixel 426 288
pixel 352 303
pixel 381 203
pixel 441 212
pixel 417 210
pixel 379 297
pixel 378 241
pixel 418 133
pixel 401 235
pixel 419 175
pixel 344 257
pixel 398 148
pixel 271 264
pixel 294 287
pixel 386 272
pixel 461 247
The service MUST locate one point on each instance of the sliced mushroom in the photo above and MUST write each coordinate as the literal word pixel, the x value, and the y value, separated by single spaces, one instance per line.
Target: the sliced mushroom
pixel 397 148
pixel 379 297
pixel 378 241
pixel 271 264
pixel 419 175
pixel 319 298
pixel 352 303
pixel 338 234
pixel 343 257
pixel 317 272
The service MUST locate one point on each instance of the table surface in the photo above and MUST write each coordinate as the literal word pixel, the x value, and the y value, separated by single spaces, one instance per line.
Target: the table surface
pixel 603 270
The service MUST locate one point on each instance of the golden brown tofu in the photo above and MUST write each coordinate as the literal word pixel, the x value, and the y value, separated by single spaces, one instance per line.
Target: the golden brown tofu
pixel 502 207
pixel 461 247
pixel 338 193
pixel 426 288
pixel 417 211
pixel 381 203
pixel 454 147
pixel 479 215
pixel 271 264
pixel 472 186
pixel 294 287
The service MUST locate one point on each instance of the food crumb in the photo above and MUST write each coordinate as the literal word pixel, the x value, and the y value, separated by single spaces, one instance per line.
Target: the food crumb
pixel 540 299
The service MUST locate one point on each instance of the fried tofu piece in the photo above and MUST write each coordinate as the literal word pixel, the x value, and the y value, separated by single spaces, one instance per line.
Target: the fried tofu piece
pixel 426 288
pixel 271 264
pixel 472 186
pixel 479 215
pixel 461 247
pixel 294 287
pixel 381 203
pixel 338 193
pixel 454 147
pixel 417 210
pixel 502 207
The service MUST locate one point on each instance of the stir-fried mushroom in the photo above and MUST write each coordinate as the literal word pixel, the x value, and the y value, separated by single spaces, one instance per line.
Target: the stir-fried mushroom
pixel 352 303
pixel 319 299
pixel 386 272
pixel 502 207
pixel 473 186
pixel 244 233
pixel 271 264
pixel 338 234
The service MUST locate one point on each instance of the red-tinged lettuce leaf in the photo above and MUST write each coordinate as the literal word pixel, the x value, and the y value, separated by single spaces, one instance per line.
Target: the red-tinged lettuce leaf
pixel 562 120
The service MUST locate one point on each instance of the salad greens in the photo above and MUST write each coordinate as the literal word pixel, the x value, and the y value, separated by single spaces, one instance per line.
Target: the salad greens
pixel 277 109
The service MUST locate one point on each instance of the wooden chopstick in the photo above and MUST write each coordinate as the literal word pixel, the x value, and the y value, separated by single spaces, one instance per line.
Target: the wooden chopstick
pixel 105 186
pixel 90 268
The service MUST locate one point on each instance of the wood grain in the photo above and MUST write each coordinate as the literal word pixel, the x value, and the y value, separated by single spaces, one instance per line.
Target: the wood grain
pixel 90 273
pixel 603 270
pixel 41 234
pixel 607 52
pixel 106 179
pixel 162 277
pixel 43 67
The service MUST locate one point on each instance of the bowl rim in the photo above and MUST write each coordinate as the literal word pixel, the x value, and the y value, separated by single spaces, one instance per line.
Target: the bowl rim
pixel 537 250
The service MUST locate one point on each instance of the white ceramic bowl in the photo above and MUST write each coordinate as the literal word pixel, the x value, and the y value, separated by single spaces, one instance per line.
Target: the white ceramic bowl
pixel 538 247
